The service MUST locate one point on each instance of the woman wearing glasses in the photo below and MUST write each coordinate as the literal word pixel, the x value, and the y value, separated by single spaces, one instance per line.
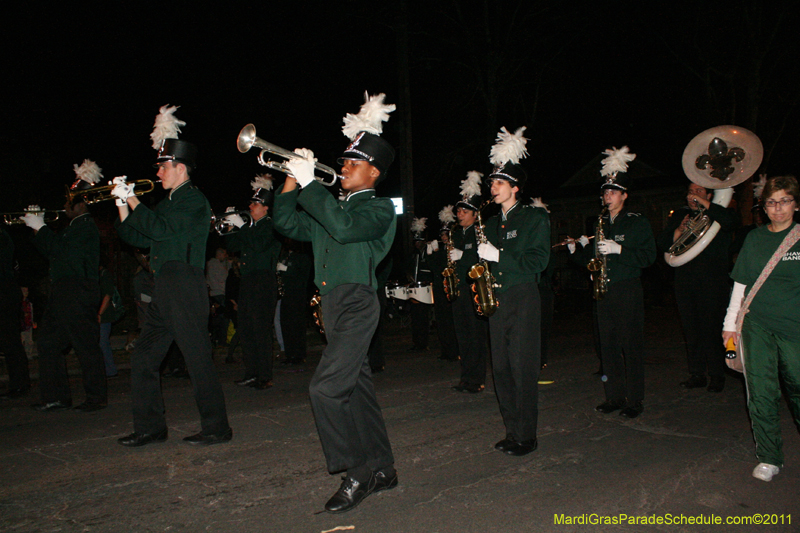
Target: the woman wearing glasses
pixel 770 331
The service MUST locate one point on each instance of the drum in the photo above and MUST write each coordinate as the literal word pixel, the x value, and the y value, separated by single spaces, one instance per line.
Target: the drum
pixel 396 291
pixel 421 292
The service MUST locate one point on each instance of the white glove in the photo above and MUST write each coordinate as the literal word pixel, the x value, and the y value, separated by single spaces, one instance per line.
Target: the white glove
pixel 608 247
pixel 235 219
pixel 35 221
pixel 584 240
pixel 281 267
pixel 433 246
pixel 302 168
pixel 231 209
pixel 122 191
pixel 488 252
pixel 455 254
pixel 571 246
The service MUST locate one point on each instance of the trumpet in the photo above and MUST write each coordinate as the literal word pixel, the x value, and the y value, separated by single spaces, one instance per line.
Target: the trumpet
pixel 50 215
pixel 102 193
pixel 224 227
pixel 247 139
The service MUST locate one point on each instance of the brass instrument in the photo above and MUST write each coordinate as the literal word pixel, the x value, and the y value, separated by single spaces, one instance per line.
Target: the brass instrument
pixel 718 158
pixel 13 217
pixel 316 306
pixel 484 283
pixel 568 240
pixel 449 274
pixel 247 139
pixel 223 227
pixel 598 266
pixel 102 193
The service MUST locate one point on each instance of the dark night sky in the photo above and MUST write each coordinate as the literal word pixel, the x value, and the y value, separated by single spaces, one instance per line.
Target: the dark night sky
pixel 87 83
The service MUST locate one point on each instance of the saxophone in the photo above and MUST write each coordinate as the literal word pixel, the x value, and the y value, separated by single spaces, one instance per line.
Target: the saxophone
pixel 316 306
pixel 484 283
pixel 449 274
pixel 598 266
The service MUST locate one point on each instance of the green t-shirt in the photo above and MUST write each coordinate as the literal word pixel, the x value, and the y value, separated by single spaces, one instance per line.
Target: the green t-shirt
pixel 776 307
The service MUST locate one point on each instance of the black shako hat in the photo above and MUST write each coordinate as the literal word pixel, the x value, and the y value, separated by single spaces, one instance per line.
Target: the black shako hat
pixel 372 149
pixel 512 173
pixel 179 151
pixel 614 168
pixel 621 182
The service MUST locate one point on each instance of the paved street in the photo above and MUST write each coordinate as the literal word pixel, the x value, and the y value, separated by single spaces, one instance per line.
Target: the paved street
pixel 690 453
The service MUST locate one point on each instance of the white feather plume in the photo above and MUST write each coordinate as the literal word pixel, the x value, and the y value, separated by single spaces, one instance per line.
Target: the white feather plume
pixel 418 225
pixel 616 161
pixel 446 215
pixel 758 186
pixel 167 126
pixel 537 202
pixel 472 185
pixel 262 181
pixel 509 147
pixel 371 117
pixel 88 171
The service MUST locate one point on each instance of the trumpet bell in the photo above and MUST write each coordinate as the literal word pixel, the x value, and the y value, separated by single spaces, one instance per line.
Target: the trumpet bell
pixel 723 156
pixel 246 138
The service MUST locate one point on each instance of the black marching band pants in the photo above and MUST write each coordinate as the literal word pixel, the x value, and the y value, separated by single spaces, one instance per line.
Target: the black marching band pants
pixel 472 332
pixel 10 340
pixel 258 294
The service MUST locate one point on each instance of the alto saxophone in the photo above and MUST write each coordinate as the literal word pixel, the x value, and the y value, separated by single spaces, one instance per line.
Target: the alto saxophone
pixel 598 266
pixel 449 274
pixel 316 306
pixel 484 283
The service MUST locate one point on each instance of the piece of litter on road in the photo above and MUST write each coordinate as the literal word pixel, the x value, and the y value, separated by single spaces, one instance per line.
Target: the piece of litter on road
pixel 338 528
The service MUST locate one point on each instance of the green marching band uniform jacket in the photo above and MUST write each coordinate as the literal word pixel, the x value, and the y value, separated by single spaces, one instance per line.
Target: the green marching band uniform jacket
pixel 349 237
pixel 523 238
pixel 464 240
pixel 257 246
pixel 632 231
pixel 73 252
pixel 176 230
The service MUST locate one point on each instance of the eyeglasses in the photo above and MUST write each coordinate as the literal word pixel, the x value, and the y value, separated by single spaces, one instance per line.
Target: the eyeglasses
pixel 772 204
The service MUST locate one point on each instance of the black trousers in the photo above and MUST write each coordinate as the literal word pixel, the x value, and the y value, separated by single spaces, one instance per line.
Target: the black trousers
pixel 258 294
pixel 702 304
pixel 420 324
pixel 472 333
pixel 445 326
pixel 349 420
pixel 294 320
pixel 179 312
pixel 516 358
pixel 70 319
pixel 10 340
pixel 375 353
pixel 620 320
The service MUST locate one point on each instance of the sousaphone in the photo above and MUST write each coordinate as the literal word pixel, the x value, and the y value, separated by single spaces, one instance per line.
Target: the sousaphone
pixel 718 158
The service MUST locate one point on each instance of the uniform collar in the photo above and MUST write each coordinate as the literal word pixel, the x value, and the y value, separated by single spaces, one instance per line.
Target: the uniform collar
pixel 77 217
pixel 505 215
pixel 354 194
pixel 187 182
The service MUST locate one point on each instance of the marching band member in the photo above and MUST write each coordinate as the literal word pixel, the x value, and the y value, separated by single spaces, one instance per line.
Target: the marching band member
pixel 258 289
pixel 702 287
pixel 472 330
pixel 419 271
pixel 70 317
pixel 442 307
pixel 176 232
pixel 19 380
pixel 519 249
pixel 294 304
pixel 628 247
pixel 349 238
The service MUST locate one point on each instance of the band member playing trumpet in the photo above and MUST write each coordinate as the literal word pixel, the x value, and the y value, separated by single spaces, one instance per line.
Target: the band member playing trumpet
pixel 349 238
pixel 702 287
pixel 176 232
pixel 70 317
pixel 258 289
pixel 518 249
pixel 628 247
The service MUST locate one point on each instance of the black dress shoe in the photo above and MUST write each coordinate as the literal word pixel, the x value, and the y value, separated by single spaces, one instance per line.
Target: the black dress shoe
pixel 246 382
pixel 88 407
pixel 608 407
pixel 473 388
pixel 632 411
pixel 52 406
pixel 385 479
pixel 261 384
pixel 350 494
pixel 694 382
pixel 201 439
pixel 525 447
pixel 140 439
pixel 505 444
pixel 377 369
pixel 15 393
pixel 716 385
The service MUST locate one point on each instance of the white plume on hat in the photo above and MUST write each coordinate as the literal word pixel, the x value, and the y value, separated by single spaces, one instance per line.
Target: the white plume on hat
pixel 616 161
pixel 472 185
pixel 418 225
pixel 88 171
pixel 262 181
pixel 509 147
pixel 758 186
pixel 167 126
pixel 446 215
pixel 537 202
pixel 371 117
